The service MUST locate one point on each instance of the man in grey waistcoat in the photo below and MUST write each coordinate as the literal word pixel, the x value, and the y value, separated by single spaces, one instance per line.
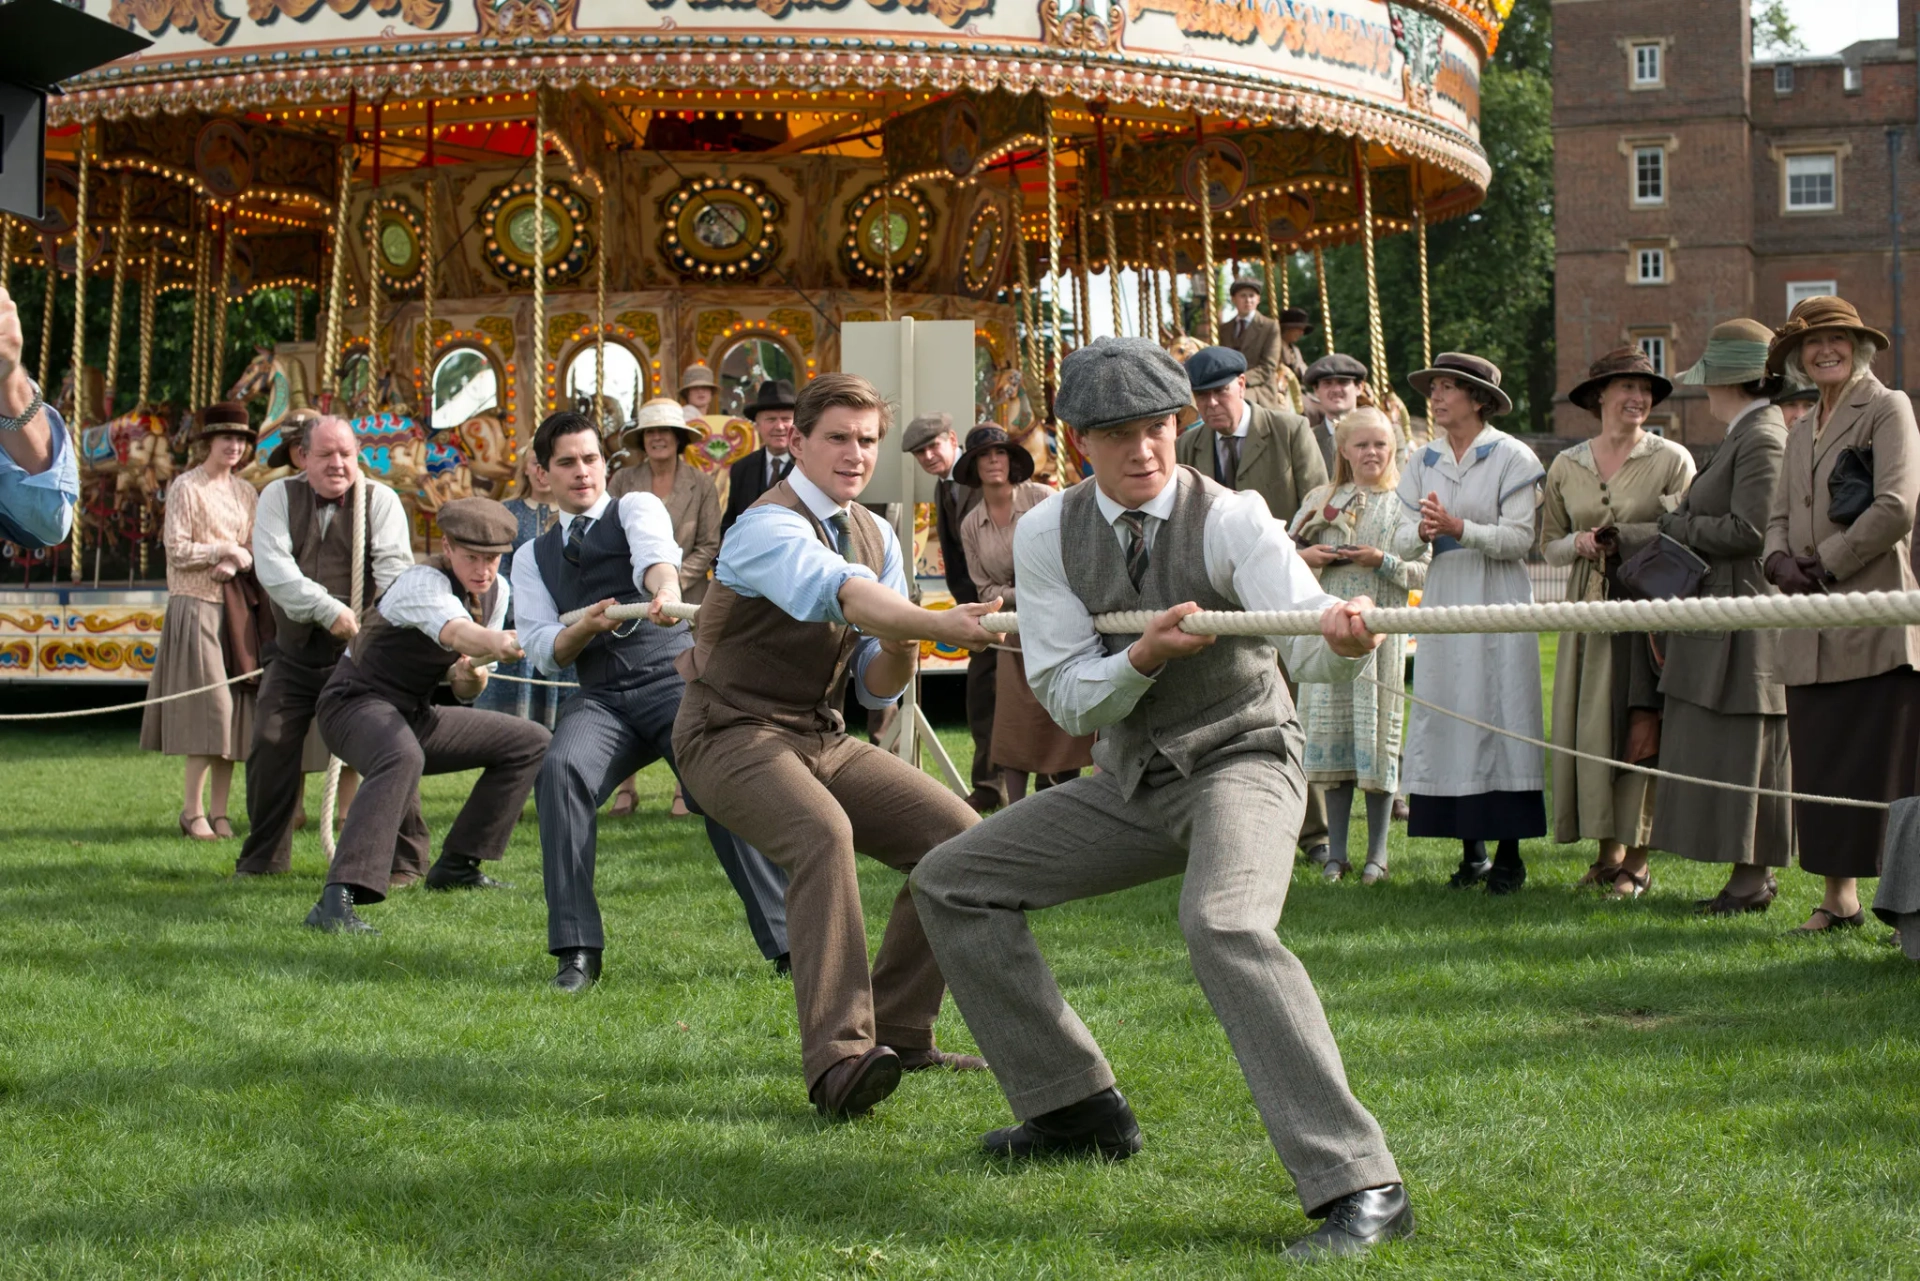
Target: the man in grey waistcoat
pixel 605 551
pixel 1199 755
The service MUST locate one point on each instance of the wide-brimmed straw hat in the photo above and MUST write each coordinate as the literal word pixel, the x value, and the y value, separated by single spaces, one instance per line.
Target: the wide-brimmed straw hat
pixel 663 411
pixel 227 418
pixel 1821 312
pixel 1621 362
pixel 966 468
pixel 697 376
pixel 1736 354
pixel 1464 367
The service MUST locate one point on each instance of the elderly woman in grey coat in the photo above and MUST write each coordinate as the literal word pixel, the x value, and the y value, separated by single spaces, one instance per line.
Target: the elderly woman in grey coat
pixel 1725 715
pixel 1842 521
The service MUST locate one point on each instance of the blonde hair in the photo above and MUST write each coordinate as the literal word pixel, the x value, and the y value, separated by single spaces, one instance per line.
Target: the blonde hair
pixel 1355 420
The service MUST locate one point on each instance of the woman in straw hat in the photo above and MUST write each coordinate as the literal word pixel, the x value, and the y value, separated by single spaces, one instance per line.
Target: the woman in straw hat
pixel 1842 521
pixel 1026 740
pixel 1725 710
pixel 1606 698
pixel 209 535
pixel 1470 498
pixel 661 432
pixel 1353 727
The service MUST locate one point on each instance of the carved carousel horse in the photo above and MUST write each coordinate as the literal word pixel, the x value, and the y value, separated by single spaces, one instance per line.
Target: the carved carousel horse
pixel 1014 411
pixel 96 393
pixel 283 382
pixel 482 440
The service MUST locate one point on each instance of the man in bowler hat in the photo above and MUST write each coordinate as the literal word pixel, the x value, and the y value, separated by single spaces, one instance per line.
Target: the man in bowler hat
pixel 772 412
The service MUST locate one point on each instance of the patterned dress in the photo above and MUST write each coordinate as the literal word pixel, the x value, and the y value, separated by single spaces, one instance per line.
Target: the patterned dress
pixel 1353 728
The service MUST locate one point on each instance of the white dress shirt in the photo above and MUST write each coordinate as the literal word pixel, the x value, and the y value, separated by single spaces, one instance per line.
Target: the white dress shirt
pixel 1250 560
pixel 301 598
pixel 771 552
pixel 649 537
pixel 424 600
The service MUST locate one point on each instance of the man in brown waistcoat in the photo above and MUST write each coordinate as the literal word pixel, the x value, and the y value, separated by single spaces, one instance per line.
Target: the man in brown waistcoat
pixel 808 594
pixel 303 557
pixel 1199 756
pixel 442 618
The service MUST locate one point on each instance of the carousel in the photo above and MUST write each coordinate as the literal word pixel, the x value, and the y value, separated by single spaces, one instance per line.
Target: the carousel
pixel 483 210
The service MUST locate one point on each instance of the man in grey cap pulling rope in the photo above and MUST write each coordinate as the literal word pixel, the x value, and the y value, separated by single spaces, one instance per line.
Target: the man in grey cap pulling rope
pixel 1199 752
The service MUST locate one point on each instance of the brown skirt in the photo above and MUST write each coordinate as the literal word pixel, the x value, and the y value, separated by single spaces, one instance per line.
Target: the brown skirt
pixel 1859 739
pixel 1025 738
pixel 1711 824
pixel 216 723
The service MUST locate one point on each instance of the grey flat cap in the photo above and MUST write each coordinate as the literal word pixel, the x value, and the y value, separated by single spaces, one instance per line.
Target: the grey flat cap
pixel 1334 365
pixel 924 430
pixel 1112 381
pixel 479 525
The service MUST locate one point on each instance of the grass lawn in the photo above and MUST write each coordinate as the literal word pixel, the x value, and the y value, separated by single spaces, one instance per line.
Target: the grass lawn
pixel 192 1084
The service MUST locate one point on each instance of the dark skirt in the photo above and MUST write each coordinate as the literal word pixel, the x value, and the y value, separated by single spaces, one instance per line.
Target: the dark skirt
pixel 1859 739
pixel 1485 816
pixel 1025 737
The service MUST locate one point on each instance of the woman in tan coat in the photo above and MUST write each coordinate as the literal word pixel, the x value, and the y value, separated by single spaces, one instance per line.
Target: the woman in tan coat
pixel 1606 700
pixel 1025 738
pixel 1725 711
pixel 1853 696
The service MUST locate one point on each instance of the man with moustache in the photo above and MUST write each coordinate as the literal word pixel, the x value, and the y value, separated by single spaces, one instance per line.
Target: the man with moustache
pixel 772 412
pixel 810 593
pixel 303 557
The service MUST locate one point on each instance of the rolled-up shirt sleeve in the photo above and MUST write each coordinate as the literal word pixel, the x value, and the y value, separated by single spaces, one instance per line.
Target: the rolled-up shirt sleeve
pixel 649 530
pixel 535 616
pixel 771 553
pixel 38 506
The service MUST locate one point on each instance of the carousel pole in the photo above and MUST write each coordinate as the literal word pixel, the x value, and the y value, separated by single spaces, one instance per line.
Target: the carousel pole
pixel 1211 330
pixel 1274 304
pixel 375 303
pixel 1053 280
pixel 331 334
pixel 1326 315
pixel 425 348
pixel 1082 279
pixel 1426 299
pixel 222 303
pixel 1099 113
pixel 1142 287
pixel 886 248
pixel 540 240
pixel 1029 311
pixel 120 232
pixel 198 346
pixel 47 315
pixel 600 320
pixel 149 299
pixel 79 331
pixel 1376 329
pixel 6 251
pixel 1113 274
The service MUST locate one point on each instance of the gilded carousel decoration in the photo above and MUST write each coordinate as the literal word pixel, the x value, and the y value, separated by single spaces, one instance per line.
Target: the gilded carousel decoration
pixel 714 229
pixel 887 231
pixel 507 223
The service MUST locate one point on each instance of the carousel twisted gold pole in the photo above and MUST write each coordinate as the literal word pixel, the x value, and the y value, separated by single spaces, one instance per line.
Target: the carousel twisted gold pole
pixel 1142 285
pixel 1053 274
pixel 337 283
pixel 600 319
pixel 149 300
pixel 1113 273
pixel 120 232
pixel 79 331
pixel 1376 328
pixel 1211 330
pixel 375 298
pixel 1274 299
pixel 1426 300
pixel 424 349
pixel 886 248
pixel 1326 315
pixel 1029 312
pixel 201 251
pixel 47 315
pixel 222 301
pixel 1082 279
pixel 6 251
pixel 540 240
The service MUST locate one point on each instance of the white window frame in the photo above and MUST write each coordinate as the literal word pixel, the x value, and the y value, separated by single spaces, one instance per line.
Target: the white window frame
pixel 1654 348
pixel 1659 154
pixel 1783 78
pixel 1853 78
pixel 1654 256
pixel 1787 162
pixel 1799 290
pixel 1641 53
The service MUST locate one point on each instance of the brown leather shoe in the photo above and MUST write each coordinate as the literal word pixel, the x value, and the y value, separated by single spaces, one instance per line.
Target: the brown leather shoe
pixel 935 1057
pixel 853 1085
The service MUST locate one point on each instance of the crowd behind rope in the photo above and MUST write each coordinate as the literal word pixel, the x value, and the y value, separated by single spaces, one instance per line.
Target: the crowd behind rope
pixel 1205 493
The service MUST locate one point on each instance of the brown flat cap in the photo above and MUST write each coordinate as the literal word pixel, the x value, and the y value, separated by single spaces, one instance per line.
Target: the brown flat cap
pixel 924 430
pixel 1821 312
pixel 479 525
pixel 1621 362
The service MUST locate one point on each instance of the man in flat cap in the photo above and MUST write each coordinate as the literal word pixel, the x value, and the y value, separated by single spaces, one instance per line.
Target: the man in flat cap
pixel 441 619
pixel 1333 384
pixel 1257 338
pixel 931 440
pixel 809 596
pixel 303 557
pixel 1199 755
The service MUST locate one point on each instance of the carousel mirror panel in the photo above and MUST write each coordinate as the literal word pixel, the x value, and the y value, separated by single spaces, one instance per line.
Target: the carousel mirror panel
pixel 626 380
pixel 745 365
pixel 398 236
pixel 719 230
pixel 465 384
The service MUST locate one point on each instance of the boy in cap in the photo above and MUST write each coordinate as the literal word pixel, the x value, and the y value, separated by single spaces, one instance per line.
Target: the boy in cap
pixel 442 618
pixel 810 594
pixel 1200 764
pixel 1255 337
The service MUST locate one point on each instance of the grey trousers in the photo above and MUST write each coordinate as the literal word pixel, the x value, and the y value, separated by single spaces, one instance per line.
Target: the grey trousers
pixel 1082 839
pixel 594 748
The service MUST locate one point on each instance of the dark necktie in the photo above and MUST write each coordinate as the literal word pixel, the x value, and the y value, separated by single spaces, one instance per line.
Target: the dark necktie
pixel 1136 523
pixel 1241 332
pixel 842 523
pixel 777 469
pixel 1230 461
pixel 576 536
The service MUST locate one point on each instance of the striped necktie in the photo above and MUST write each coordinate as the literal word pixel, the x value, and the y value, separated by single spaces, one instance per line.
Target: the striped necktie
pixel 576 536
pixel 842 523
pixel 1136 523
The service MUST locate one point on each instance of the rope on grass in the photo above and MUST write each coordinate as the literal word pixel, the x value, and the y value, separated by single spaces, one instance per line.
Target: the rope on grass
pixel 126 707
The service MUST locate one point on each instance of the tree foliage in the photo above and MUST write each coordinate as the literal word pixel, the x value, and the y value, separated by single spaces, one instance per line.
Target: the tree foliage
pixel 1774 31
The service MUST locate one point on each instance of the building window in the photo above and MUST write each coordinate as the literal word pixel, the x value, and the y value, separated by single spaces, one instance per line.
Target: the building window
pixel 1783 78
pixel 1649 175
pixel 1654 348
pixel 1813 183
pixel 1798 291
pixel 1650 266
pixel 1852 78
pixel 1660 425
pixel 1648 73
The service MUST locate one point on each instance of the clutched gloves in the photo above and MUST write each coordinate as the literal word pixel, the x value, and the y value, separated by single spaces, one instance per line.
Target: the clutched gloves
pixel 1796 575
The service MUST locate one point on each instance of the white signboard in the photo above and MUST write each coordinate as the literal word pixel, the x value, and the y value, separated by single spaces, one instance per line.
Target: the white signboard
pixel 921 367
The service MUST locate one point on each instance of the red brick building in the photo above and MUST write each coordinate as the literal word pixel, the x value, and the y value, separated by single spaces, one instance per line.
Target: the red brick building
pixel 1694 184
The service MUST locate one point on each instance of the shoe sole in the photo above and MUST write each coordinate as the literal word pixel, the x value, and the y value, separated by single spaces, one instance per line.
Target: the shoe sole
pixel 881 1079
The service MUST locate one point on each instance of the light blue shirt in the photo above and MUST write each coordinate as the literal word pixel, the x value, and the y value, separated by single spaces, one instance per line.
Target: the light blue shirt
pixel 772 553
pixel 37 507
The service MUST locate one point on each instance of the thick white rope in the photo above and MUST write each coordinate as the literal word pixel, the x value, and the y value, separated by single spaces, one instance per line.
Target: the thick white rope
pixel 330 794
pixel 127 707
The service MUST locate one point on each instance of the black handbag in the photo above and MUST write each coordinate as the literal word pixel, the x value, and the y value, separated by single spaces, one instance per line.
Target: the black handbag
pixel 1665 569
pixel 1850 485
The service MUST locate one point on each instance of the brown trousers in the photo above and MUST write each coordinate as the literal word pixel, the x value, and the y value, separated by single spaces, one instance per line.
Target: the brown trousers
pixel 808 802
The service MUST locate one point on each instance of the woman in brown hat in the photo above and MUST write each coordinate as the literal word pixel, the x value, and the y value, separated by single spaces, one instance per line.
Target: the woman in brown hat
pixel 1025 738
pixel 1606 698
pixel 1724 713
pixel 209 535
pixel 1842 521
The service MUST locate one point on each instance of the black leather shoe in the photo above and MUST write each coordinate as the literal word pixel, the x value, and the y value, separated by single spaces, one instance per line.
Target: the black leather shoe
pixel 1506 878
pixel 853 1085
pixel 783 964
pixel 984 799
pixel 1470 874
pixel 458 872
pixel 1100 1123
pixel 334 914
pixel 1357 1222
pixel 579 969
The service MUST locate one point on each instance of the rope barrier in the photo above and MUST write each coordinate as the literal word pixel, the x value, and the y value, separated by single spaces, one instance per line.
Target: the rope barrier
pixel 126 707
